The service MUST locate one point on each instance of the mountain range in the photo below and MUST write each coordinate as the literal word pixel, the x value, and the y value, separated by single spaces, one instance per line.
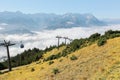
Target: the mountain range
pixel 18 22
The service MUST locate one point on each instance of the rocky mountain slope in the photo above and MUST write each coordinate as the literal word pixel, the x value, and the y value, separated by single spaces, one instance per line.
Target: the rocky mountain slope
pixel 24 23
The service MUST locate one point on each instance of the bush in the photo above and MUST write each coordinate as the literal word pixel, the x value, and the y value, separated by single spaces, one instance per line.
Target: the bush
pixel 32 69
pixel 101 41
pixel 60 60
pixel 73 57
pixel 76 44
pixel 64 53
pixel 94 37
pixel 55 70
pixel 52 57
pixel 51 62
pixel 112 34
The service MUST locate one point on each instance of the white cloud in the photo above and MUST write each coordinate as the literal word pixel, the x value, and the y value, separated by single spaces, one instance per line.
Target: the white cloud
pixel 1 28
pixel 46 38
pixel 3 24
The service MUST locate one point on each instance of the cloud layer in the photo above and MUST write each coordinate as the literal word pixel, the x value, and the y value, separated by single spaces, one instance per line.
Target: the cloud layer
pixel 46 38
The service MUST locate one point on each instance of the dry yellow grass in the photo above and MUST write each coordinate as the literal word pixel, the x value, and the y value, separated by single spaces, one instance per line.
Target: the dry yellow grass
pixel 54 51
pixel 93 63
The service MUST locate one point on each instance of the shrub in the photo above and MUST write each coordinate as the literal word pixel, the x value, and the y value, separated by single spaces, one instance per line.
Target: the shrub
pixel 55 70
pixel 32 69
pixel 101 41
pixel 94 37
pixel 64 53
pixel 73 57
pixel 112 34
pixel 60 60
pixel 52 57
pixel 51 62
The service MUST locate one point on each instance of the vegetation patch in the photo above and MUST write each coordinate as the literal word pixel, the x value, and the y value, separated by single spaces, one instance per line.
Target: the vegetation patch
pixel 73 57
pixel 101 41
pixel 32 70
pixel 51 62
pixel 60 60
pixel 55 71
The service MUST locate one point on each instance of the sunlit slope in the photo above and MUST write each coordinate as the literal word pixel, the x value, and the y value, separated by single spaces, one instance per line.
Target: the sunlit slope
pixel 93 63
pixel 54 51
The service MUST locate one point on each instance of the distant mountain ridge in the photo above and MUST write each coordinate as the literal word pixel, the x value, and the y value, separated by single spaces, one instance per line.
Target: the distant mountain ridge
pixel 39 21
pixel 112 21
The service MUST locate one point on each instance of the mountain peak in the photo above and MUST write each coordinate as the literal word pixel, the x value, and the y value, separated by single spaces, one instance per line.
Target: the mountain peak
pixel 42 21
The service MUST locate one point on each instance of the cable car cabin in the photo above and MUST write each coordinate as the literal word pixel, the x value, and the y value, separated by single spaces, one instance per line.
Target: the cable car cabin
pixel 21 46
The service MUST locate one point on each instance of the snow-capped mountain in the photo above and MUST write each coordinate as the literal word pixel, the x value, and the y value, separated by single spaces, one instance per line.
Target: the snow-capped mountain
pixel 18 22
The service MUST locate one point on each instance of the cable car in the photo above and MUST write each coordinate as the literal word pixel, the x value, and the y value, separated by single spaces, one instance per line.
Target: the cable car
pixel 21 45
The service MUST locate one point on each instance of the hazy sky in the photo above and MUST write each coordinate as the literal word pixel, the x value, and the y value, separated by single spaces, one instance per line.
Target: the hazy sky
pixel 99 8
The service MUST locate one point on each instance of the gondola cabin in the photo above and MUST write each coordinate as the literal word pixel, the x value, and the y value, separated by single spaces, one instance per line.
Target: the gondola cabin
pixel 21 46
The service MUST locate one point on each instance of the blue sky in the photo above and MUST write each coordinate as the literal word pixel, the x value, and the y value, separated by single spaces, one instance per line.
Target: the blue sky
pixel 99 8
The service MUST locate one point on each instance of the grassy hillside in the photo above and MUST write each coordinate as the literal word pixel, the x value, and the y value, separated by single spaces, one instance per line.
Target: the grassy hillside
pixel 92 62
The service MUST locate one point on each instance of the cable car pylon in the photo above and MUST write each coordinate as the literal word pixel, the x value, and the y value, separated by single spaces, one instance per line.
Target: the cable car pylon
pixel 58 37
pixel 7 44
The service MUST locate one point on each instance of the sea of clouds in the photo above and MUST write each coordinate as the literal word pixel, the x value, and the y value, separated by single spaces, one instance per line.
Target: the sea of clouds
pixel 45 38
